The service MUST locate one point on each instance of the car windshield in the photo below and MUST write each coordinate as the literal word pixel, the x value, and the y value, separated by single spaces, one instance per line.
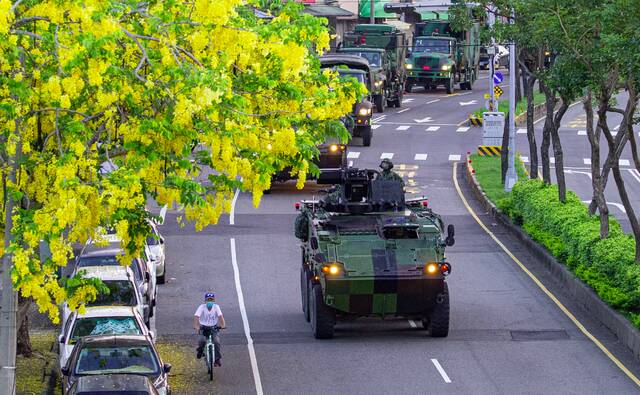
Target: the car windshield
pixel 348 73
pixel 86 261
pixel 431 45
pixel 372 57
pixel 121 293
pixel 152 241
pixel 114 360
pixel 95 326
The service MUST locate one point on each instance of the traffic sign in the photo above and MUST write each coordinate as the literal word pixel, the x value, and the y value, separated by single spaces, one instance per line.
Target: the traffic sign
pixel 487 96
pixel 497 91
pixel 498 77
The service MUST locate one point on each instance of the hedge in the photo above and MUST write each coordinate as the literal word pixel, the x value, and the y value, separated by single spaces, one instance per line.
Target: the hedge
pixel 573 236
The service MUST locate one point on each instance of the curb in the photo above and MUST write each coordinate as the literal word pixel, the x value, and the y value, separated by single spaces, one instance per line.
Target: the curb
pixel 626 333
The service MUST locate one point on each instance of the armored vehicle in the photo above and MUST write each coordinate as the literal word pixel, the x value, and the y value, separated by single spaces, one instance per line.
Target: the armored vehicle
pixel 384 46
pixel 366 251
pixel 358 123
pixel 333 155
pixel 442 56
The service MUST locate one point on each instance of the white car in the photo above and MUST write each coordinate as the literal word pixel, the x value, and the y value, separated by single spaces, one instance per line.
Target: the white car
pixel 100 320
pixel 155 251
pixel 123 290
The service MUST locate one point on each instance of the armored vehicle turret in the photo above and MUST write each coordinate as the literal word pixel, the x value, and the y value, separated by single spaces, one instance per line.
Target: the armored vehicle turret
pixel 366 251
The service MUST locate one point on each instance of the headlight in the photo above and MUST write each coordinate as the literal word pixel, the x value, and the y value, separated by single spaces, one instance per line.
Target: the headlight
pixel 332 269
pixel 445 67
pixel 408 66
pixel 377 84
pixel 364 111
pixel 431 268
pixel 333 148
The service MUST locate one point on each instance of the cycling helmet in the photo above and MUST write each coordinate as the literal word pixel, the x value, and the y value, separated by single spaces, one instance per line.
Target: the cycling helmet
pixel 209 295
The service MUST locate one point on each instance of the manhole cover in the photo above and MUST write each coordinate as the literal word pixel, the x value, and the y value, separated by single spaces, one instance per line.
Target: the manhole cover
pixel 538 335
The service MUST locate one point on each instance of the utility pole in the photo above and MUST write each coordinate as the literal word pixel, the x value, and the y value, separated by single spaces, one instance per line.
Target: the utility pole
pixel 372 16
pixel 512 175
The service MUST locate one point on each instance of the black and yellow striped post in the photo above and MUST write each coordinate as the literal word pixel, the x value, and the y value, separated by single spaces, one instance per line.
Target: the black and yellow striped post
pixel 475 121
pixel 489 150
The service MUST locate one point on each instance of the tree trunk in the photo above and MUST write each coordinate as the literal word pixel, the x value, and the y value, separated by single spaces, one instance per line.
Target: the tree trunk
pixel 24 341
pixel 550 105
pixel 504 152
pixel 597 185
pixel 531 134
pixel 557 151
pixel 518 79
pixel 622 190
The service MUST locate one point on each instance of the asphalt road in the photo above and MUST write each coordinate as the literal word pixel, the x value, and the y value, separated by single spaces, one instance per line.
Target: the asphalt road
pixel 506 336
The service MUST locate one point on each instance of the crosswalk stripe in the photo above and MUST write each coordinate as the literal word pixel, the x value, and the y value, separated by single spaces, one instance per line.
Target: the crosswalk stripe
pixel 522 131
pixel 462 129
pixel 552 160
pixel 375 126
pixel 454 157
pixel 408 100
pixel 433 128
pixel 624 162
pixel 524 159
pixel 353 155
pixel 586 161
pixel 582 132
pixel 386 155
pixel 403 127
pixel 420 157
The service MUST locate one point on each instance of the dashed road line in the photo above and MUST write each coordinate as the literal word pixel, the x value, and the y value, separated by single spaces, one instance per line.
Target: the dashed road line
pixel 522 131
pixel 375 126
pixel 624 162
pixel 353 155
pixel 405 110
pixel 552 160
pixel 524 159
pixel 586 161
pixel 444 375
pixel 433 101
pixel 463 129
pixel 582 132
pixel 403 127
pixel 454 157
pixel 408 100
pixel 386 155
pixel 542 287
pixel 245 321
pixel 420 157
pixel 433 128
pixel 635 174
pixel 380 118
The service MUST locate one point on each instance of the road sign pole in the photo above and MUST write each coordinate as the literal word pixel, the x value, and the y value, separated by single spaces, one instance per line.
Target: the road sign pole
pixel 512 175
pixel 492 57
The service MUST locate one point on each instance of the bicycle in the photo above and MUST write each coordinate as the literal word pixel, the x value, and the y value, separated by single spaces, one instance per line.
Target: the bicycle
pixel 209 348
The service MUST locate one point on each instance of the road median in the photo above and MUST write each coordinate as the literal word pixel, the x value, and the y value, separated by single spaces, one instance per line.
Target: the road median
pixel 577 262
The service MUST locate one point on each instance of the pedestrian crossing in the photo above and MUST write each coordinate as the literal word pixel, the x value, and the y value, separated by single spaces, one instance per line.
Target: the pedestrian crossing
pixel 585 161
pixel 418 157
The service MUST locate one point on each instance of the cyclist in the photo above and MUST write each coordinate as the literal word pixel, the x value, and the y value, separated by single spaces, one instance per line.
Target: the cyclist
pixel 207 317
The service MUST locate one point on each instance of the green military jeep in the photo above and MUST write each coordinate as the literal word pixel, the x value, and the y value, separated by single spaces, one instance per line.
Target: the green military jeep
pixel 368 252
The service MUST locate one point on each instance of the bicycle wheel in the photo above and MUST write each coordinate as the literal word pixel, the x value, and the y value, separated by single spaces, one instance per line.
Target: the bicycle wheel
pixel 210 362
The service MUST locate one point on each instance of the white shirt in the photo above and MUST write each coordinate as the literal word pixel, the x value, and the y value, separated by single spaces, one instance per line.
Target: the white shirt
pixel 208 317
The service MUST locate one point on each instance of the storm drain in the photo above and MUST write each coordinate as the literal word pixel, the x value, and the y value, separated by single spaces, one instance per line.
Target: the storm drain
pixel 538 335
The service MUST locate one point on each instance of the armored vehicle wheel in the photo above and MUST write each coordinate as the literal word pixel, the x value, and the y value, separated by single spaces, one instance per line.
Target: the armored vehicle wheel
pixel 465 86
pixel 408 87
pixel 304 293
pixel 323 318
pixel 379 102
pixel 398 102
pixel 439 319
pixel 449 86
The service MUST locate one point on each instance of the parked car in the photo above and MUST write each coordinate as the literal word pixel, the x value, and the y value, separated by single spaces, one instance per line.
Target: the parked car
pixel 143 270
pixel 107 384
pixel 123 290
pixel 155 251
pixel 100 320
pixel 116 354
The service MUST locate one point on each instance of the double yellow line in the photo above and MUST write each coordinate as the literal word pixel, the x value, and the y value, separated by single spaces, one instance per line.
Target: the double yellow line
pixel 540 285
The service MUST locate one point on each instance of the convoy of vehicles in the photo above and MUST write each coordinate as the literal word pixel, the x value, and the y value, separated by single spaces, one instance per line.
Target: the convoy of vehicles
pixel 384 46
pixel 368 252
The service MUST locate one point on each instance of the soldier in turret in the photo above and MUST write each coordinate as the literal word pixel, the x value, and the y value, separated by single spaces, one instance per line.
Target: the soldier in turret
pixel 387 174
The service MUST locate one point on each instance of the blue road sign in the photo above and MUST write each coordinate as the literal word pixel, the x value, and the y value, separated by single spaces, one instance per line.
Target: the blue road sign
pixel 498 77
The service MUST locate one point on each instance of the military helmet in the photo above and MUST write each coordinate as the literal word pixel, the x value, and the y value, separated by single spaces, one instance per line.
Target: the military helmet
pixel 386 164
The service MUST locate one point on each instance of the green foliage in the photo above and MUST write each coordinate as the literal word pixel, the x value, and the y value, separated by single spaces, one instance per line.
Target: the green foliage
pixel 521 107
pixel 573 236
pixel 488 174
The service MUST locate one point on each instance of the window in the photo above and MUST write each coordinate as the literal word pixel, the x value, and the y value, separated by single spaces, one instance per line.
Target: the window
pixel 121 293
pixel 352 74
pixel 98 261
pixel 400 232
pixel 372 57
pixel 432 45
pixel 114 360
pixel 96 326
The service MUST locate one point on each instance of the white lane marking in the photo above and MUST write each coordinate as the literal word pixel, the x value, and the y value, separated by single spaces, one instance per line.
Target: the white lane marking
pixel 413 324
pixel 403 127
pixel 444 375
pixel 454 157
pixel 414 123
pixel 350 163
pixel 586 173
pixel 420 157
pixel 459 94
pixel 401 111
pixel 463 129
pixel 616 128
pixel 245 320
pixel 375 126
pixel 614 133
pixel 433 101
pixel 468 103
pixel 380 118
pixel 232 214
pixel 433 128
pixel 353 155
pixel 635 173
pixel 423 120
pixel 616 205
pixel 582 132
pixel 408 100
pixel 522 131
pixel 586 161
pixel 386 155
pixel 552 160
pixel 624 162
pixel 524 159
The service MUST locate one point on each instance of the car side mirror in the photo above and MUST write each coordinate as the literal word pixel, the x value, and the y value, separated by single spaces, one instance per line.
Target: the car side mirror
pixel 450 240
pixel 64 370
pixel 166 368
pixel 61 339
pixel 314 243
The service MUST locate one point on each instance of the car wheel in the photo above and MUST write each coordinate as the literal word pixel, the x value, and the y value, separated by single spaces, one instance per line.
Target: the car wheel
pixel 439 318
pixel 323 318
pixel 162 279
pixel 365 133
pixel 449 86
pixel 304 294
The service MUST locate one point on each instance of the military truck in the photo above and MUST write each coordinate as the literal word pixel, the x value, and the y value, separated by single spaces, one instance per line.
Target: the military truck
pixel 442 56
pixel 384 46
pixel 368 252
pixel 332 155
pixel 358 123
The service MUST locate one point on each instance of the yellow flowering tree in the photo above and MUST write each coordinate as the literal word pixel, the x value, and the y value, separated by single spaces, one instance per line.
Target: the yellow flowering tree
pixel 183 101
